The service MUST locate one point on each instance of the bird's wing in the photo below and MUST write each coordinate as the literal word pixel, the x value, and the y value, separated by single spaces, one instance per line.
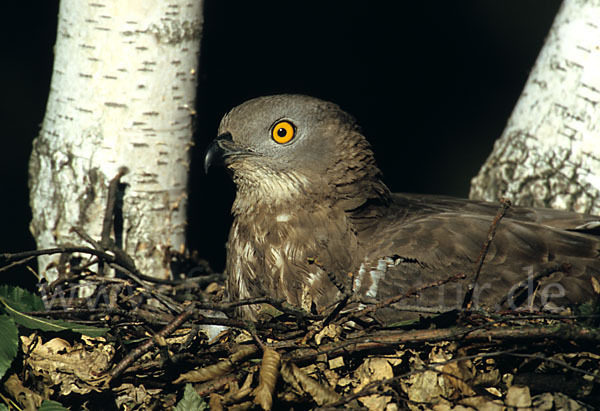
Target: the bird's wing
pixel 420 204
pixel 425 239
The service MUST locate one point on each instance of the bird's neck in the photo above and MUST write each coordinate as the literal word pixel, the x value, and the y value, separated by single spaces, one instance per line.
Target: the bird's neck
pixel 354 178
pixel 270 197
pixel 273 194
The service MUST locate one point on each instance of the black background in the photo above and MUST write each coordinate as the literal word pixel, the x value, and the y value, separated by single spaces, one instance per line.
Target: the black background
pixel 431 83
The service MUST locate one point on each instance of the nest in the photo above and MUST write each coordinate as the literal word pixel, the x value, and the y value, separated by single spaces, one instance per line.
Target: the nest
pixel 137 343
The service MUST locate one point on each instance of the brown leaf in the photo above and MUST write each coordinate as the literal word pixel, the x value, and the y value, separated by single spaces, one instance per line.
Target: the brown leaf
pixel 127 394
pixel 215 402
pixel 304 384
pixel 424 387
pixel 236 393
pixel 595 284
pixel 28 399
pixel 216 370
pixel 332 331
pixel 518 396
pixel 372 370
pixel 458 375
pixel 76 368
pixel 267 378
pixel 483 403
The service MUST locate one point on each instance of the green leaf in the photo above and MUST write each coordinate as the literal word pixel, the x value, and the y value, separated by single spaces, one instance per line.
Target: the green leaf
pixel 587 308
pixel 9 343
pixel 191 401
pixel 3 407
pixel 16 301
pixel 48 405
pixel 21 299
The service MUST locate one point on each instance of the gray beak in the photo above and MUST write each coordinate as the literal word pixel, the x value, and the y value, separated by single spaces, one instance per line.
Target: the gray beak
pixel 215 152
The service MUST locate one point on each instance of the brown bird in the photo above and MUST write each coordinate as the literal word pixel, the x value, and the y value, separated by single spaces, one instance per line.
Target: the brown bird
pixel 314 221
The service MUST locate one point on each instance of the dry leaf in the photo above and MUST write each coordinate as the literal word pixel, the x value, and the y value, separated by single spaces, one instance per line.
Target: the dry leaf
pixel 518 396
pixel 240 407
pixel 76 368
pixel 213 288
pixel 128 394
pixel 487 379
pixel 458 375
pixel 310 369
pixel 28 399
pixel 371 370
pixel 423 387
pixel 483 403
pixel 304 384
pixel 375 402
pixel 443 406
pixel 215 402
pixel 332 331
pixel 216 370
pixel 336 362
pixel 267 378
pixel 595 284
pixel 332 377
pixel 235 393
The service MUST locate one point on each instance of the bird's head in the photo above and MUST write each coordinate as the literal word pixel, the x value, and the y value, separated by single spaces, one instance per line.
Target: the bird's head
pixel 281 147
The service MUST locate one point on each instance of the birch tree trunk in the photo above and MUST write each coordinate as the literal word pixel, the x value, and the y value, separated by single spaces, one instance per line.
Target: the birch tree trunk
pixel 122 94
pixel 549 152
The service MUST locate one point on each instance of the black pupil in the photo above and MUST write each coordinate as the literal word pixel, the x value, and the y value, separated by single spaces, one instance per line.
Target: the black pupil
pixel 281 132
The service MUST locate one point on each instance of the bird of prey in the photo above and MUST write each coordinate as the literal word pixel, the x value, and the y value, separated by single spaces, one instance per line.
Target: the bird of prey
pixel 314 221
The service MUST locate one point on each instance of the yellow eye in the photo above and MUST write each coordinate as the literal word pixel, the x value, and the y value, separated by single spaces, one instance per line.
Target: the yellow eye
pixel 283 132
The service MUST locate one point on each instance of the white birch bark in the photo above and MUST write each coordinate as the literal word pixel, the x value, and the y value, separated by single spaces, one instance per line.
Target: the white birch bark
pixel 549 152
pixel 122 94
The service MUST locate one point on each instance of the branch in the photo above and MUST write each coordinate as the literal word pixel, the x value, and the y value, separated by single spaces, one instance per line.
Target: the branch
pixel 392 300
pixel 150 343
pixel 383 339
pixel 468 300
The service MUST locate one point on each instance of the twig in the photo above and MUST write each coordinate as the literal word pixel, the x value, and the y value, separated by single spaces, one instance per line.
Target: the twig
pixel 111 199
pixel 505 205
pixel 413 308
pixel 337 309
pixel 278 303
pixel 15 263
pixel 166 301
pixel 388 302
pixel 201 281
pixel 261 344
pixel 79 231
pixel 106 243
pixel 231 322
pixel 563 364
pixel 114 261
pixel 57 250
pixel 511 315
pixel 330 274
pixel 549 270
pixel 145 347
pixel 385 339
pixel 109 258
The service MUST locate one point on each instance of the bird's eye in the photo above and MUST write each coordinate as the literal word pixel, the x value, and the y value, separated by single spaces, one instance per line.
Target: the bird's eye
pixel 283 132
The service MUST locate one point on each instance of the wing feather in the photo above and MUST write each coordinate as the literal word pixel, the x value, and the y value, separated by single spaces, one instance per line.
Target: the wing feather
pixel 429 239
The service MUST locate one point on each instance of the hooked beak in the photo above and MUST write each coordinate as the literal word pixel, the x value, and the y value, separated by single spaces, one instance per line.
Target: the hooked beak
pixel 217 150
pixel 222 151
